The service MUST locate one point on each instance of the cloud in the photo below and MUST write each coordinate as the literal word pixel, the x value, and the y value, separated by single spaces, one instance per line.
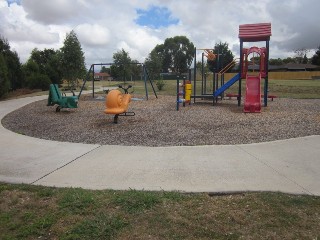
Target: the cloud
pixel 296 24
pixel 15 27
pixel 93 35
pixel 53 12
pixel 104 27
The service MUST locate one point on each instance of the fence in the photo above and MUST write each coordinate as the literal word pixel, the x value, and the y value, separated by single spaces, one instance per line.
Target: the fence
pixel 287 75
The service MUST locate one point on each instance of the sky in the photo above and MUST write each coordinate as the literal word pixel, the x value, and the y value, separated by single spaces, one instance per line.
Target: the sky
pixel 104 27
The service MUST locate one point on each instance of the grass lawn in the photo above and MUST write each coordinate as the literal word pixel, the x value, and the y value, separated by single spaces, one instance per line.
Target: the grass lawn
pixel 282 88
pixel 34 212
pixel 302 89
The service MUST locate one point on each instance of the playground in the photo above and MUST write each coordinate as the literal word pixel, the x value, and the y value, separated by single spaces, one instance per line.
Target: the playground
pixel 157 123
pixel 152 120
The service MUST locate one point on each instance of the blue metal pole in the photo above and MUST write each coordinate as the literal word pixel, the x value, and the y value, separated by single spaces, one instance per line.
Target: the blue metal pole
pixel 177 94
pixel 145 80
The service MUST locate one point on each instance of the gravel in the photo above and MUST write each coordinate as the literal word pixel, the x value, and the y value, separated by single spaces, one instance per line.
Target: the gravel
pixel 157 123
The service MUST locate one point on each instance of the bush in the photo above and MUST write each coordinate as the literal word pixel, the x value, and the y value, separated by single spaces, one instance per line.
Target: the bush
pixel 4 80
pixel 39 81
pixel 160 84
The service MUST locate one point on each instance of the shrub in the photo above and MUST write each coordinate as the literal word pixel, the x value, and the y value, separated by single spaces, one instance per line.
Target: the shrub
pixel 38 81
pixel 160 84
pixel 4 80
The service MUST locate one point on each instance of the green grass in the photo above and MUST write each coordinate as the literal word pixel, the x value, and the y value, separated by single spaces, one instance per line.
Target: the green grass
pixel 34 212
pixel 303 89
pixel 295 88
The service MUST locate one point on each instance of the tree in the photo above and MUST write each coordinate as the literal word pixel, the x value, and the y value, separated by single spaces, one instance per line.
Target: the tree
pixel 316 57
pixel 176 54
pixel 154 64
pixel 4 80
pixel 136 70
pixel 14 70
pixel 301 55
pixel 123 65
pixel 13 65
pixel 224 57
pixel 105 70
pixel 288 60
pixel 48 61
pixel 34 78
pixel 72 59
pixel 276 62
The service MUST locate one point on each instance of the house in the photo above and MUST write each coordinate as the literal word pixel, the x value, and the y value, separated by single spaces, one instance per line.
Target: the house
pixel 102 77
pixel 289 67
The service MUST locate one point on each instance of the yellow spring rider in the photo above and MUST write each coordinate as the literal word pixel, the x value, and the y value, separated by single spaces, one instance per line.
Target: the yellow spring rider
pixel 117 103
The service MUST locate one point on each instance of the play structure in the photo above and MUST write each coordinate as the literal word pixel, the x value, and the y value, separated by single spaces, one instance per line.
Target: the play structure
pixel 144 77
pixel 184 89
pixel 117 103
pixel 254 33
pixel 60 99
pixel 252 102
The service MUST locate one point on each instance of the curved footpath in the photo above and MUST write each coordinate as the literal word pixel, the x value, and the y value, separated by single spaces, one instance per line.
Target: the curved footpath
pixel 290 166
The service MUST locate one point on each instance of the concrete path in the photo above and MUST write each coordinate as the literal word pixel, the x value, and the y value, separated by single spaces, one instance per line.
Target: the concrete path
pixel 290 166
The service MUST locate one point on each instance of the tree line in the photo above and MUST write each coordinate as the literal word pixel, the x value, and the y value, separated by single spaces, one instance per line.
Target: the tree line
pixel 43 66
pixel 47 66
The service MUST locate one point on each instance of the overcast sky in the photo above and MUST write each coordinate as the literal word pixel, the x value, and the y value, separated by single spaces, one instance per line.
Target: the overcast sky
pixel 104 27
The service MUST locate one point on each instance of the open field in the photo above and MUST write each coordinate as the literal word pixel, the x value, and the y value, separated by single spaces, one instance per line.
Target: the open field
pixel 282 88
pixel 285 88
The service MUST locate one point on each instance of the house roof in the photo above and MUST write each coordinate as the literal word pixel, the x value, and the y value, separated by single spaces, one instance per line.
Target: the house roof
pixel 255 32
pixel 288 67
pixel 297 66
pixel 101 74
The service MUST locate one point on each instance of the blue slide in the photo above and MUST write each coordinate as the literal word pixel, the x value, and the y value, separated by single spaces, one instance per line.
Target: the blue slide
pixel 226 85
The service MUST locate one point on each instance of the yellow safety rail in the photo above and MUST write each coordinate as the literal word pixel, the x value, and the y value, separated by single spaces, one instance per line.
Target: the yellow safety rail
pixel 226 68
pixel 209 54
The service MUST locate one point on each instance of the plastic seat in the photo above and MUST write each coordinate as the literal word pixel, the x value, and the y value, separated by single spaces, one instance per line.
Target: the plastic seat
pixel 117 103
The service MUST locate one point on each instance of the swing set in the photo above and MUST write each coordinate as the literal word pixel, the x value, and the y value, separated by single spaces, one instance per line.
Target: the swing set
pixel 144 77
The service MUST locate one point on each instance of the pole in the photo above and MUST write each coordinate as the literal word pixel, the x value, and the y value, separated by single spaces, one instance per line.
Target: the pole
pixel 189 74
pixel 241 64
pixel 178 93
pixel 93 83
pixel 85 81
pixel 145 80
pixel 195 74
pixel 266 78
pixel 184 91
pixel 202 74
pixel 154 91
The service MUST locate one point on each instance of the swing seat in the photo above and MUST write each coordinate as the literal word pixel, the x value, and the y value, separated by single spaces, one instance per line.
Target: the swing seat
pixel 117 103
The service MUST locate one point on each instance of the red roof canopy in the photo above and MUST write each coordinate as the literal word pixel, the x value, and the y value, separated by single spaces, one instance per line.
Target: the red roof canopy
pixel 255 32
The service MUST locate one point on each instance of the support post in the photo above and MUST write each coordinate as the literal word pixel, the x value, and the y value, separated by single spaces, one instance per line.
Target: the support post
pixel 266 78
pixel 145 80
pixel 85 81
pixel 240 80
pixel 184 91
pixel 178 89
pixel 93 82
pixel 195 74
pixel 202 74
pixel 154 91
